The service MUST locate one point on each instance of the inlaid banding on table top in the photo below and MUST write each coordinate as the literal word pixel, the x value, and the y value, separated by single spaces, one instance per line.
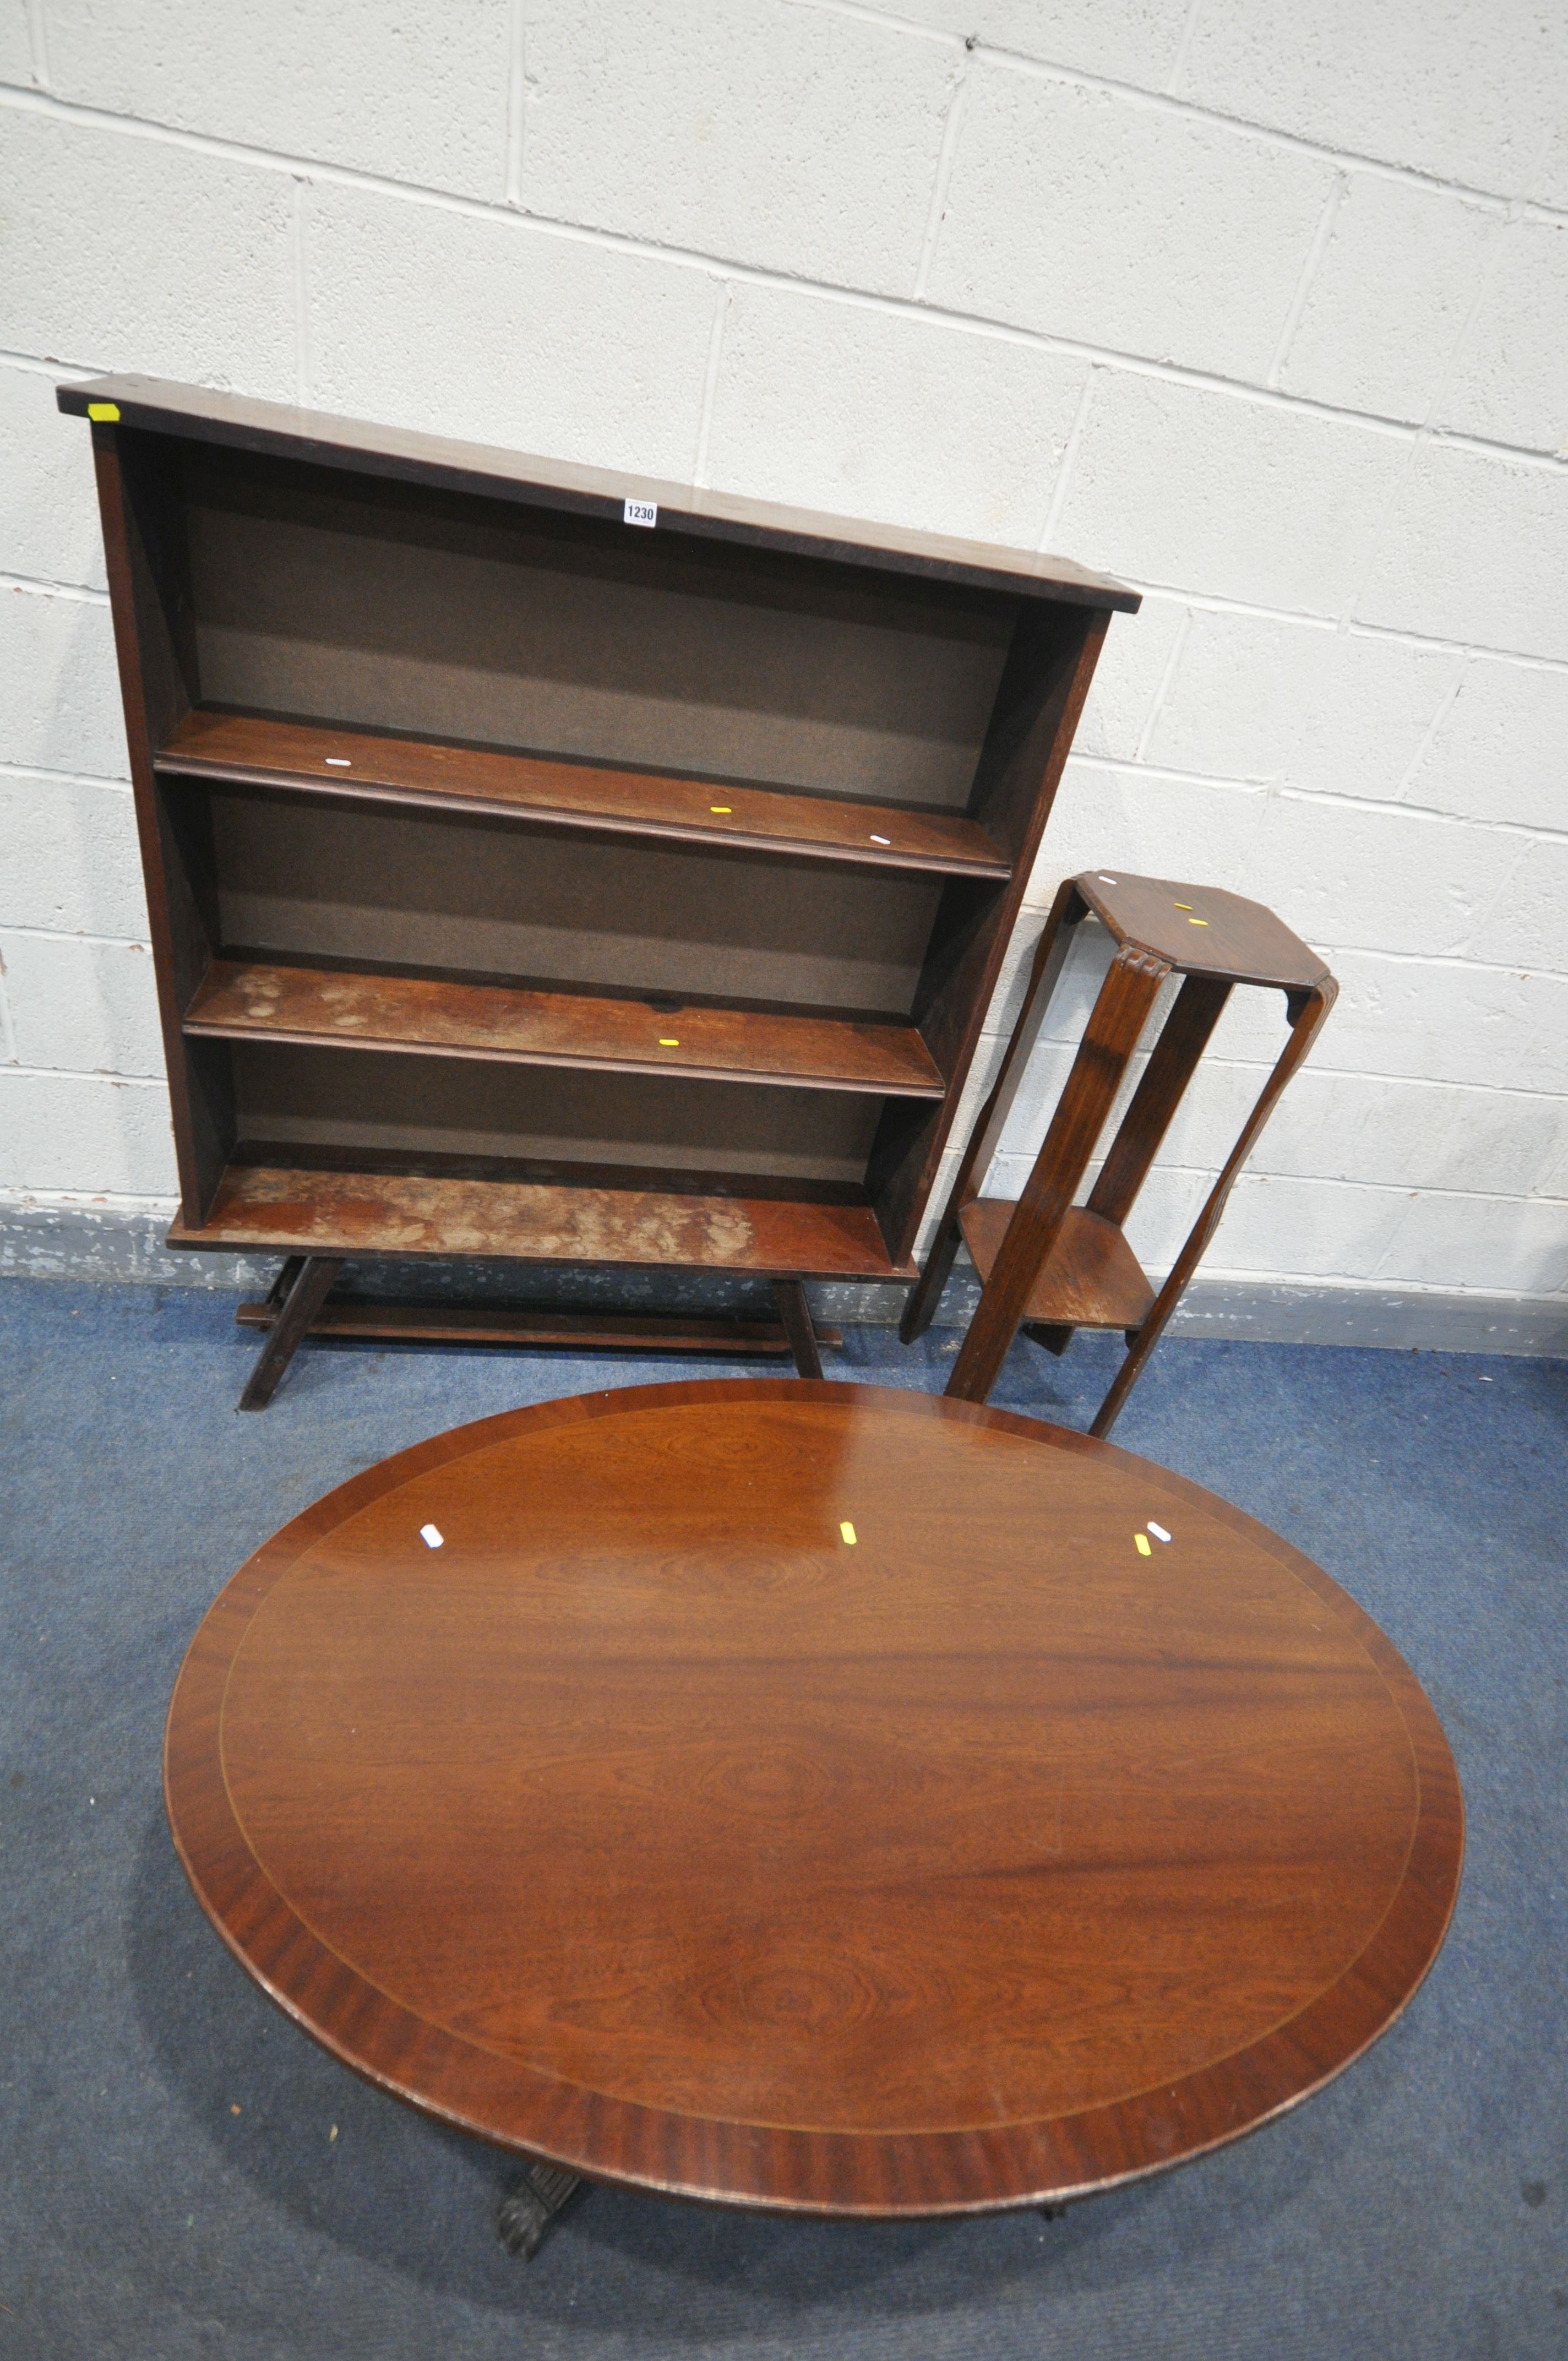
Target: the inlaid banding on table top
pixel 979 1860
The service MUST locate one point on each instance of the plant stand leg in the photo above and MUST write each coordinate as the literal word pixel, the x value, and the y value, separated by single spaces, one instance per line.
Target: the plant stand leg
pixel 1051 1334
pixel 523 2218
pixel 1051 957
pixel 304 1299
pixel 1308 1009
pixel 927 1293
pixel 1127 995
pixel 796 1314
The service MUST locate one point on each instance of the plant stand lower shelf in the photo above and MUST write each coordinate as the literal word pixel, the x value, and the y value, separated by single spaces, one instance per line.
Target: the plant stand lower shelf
pixel 1091 1279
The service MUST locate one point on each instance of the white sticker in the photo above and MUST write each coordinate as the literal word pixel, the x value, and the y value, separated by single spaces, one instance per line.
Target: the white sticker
pixel 430 1536
pixel 338 761
pixel 639 513
pixel 881 840
pixel 1158 1531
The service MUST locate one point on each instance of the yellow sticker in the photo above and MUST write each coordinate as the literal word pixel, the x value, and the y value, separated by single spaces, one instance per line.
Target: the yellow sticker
pixel 1184 905
pixel 1143 1541
pixel 1197 922
pixel 103 412
pixel 721 807
pixel 668 1041
pixel 849 1532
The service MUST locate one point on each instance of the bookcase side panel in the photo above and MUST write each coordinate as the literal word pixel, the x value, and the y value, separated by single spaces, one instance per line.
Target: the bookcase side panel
pixel 1039 698
pixel 144 543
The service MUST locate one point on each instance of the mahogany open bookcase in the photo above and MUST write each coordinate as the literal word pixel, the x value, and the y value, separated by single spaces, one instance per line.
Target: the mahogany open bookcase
pixel 554 866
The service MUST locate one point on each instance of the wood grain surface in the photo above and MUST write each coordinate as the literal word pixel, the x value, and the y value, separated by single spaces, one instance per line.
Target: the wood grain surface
pixel 1090 1279
pixel 300 1210
pixel 488 781
pixel 340 1008
pixel 810 1796
pixel 1203 929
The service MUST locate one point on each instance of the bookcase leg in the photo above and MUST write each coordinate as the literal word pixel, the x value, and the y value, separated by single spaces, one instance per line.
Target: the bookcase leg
pixel 796 1314
pixel 311 1285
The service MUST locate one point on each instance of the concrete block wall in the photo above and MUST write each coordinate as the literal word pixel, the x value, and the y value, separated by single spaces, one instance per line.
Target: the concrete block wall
pixel 1260 303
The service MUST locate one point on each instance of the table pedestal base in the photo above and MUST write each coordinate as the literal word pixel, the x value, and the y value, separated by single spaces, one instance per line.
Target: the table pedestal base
pixel 524 2216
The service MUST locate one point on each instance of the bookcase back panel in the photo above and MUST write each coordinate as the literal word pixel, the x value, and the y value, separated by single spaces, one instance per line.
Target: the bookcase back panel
pixel 431 1106
pixel 360 601
pixel 387 889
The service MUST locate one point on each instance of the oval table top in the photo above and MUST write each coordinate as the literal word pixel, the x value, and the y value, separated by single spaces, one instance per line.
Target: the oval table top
pixel 813 1795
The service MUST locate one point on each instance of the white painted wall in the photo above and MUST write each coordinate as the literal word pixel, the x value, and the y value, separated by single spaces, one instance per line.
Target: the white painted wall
pixel 1260 303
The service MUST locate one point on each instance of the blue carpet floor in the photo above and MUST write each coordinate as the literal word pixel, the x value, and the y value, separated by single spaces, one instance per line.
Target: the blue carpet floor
pixel 186 2175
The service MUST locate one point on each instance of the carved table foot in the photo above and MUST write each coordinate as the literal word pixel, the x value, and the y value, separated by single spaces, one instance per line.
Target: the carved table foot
pixel 524 2216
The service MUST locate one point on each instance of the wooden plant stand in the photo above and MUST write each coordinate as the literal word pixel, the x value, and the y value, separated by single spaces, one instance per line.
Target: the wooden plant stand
pixel 1053 1266
pixel 558 868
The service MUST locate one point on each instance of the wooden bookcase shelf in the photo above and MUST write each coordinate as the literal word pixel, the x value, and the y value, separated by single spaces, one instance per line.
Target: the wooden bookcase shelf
pixel 256 1000
pixel 659 880
pixel 276 1206
pixel 355 766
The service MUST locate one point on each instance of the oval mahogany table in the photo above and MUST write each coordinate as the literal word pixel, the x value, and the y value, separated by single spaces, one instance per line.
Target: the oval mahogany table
pixel 813 1795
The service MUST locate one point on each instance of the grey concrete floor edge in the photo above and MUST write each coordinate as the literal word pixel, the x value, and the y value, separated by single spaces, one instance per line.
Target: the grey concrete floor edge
pixel 72 1241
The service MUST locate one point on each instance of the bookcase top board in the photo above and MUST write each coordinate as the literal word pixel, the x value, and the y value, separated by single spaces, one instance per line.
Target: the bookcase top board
pixel 278 429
